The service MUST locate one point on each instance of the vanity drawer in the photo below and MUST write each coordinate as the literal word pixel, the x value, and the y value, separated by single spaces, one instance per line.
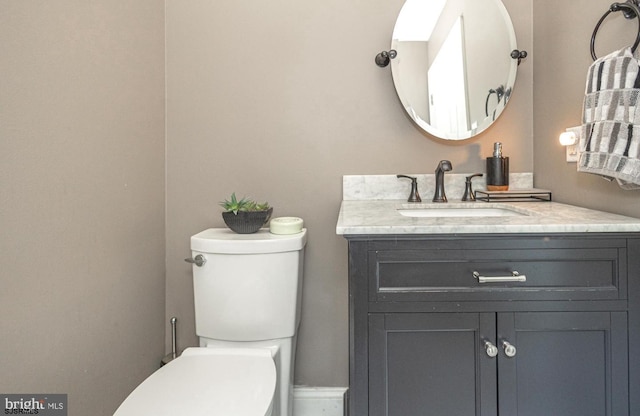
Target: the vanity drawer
pixel 455 274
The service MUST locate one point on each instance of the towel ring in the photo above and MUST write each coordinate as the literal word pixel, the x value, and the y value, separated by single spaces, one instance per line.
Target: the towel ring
pixel 630 10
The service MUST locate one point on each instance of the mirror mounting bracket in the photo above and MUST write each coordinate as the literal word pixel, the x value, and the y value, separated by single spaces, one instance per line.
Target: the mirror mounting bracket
pixel 384 57
pixel 519 55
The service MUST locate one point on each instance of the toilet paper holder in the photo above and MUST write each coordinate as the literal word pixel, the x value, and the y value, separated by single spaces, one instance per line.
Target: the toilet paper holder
pixel 174 353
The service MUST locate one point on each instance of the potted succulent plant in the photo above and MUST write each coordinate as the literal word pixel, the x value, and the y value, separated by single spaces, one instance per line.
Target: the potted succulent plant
pixel 245 216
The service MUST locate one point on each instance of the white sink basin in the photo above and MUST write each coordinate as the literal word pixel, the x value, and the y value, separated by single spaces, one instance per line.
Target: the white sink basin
pixel 453 211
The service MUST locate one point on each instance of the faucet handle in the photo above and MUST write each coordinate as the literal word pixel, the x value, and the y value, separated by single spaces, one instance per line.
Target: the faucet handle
pixel 414 196
pixel 468 189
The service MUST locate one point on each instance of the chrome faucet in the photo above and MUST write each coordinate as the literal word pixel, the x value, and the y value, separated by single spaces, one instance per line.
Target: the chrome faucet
pixel 443 166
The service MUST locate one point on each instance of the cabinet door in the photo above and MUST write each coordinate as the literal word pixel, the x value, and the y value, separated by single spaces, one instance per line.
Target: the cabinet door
pixel 431 364
pixel 566 364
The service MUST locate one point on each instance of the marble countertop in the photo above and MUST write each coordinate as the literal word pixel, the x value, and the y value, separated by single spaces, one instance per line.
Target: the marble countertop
pixel 368 217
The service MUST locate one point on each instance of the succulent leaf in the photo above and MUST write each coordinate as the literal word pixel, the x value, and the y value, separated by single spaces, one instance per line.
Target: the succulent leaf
pixel 244 204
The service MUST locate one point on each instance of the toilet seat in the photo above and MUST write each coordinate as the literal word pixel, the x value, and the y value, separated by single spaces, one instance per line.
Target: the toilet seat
pixel 207 381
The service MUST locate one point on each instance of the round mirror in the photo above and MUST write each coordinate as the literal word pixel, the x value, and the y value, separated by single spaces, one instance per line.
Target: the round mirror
pixel 453 71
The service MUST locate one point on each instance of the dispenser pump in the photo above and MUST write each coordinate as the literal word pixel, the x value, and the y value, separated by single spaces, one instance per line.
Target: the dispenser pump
pixel 497 149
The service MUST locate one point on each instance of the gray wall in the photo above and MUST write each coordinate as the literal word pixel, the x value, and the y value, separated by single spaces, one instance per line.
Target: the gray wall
pixel 561 58
pixel 81 198
pixel 275 101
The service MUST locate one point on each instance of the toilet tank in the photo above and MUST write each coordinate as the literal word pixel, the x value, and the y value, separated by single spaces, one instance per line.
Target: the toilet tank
pixel 250 287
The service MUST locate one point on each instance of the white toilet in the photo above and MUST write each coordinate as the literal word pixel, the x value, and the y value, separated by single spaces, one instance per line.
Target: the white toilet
pixel 247 307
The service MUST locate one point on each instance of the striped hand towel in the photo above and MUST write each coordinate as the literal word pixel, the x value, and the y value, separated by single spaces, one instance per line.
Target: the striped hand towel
pixel 610 140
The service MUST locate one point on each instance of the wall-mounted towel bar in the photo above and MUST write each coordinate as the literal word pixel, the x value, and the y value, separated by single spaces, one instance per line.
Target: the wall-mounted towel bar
pixel 631 10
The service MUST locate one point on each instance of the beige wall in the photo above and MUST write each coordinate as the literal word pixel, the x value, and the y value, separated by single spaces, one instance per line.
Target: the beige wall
pixel 561 58
pixel 278 100
pixel 81 198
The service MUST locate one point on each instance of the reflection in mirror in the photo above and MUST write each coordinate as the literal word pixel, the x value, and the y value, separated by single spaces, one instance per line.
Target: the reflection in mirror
pixel 448 102
pixel 453 71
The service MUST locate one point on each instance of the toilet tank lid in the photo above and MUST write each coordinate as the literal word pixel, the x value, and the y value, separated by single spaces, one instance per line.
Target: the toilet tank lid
pixel 225 241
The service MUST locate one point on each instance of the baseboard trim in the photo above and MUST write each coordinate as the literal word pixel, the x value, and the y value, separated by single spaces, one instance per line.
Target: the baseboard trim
pixel 319 401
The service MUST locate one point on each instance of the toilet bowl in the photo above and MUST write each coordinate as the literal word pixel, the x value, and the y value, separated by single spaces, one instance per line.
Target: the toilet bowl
pixel 207 381
pixel 247 298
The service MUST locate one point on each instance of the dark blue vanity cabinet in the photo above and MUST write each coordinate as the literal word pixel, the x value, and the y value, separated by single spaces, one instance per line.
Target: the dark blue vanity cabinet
pixel 428 338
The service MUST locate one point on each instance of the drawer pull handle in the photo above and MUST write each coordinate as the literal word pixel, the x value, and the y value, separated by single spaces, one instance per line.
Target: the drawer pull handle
pixel 515 277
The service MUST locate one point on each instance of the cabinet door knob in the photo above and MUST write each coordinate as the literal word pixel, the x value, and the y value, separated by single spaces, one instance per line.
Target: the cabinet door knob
pixel 491 349
pixel 509 349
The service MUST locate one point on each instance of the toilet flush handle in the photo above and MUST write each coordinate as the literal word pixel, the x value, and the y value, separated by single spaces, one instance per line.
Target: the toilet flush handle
pixel 198 260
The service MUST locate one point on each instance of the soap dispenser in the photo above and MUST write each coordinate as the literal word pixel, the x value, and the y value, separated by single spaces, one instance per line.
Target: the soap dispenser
pixel 497 170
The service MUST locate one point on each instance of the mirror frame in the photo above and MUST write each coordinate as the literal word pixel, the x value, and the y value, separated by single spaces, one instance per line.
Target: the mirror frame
pixel 503 91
